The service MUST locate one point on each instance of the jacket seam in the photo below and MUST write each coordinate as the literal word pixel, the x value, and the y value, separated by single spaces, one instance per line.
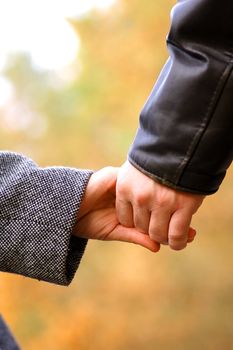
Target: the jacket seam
pixel 205 122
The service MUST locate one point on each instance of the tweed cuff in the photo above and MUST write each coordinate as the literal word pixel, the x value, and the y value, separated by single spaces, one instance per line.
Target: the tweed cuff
pixel 38 210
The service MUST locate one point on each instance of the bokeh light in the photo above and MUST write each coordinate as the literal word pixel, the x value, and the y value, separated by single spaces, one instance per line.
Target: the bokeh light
pixel 74 76
pixel 41 29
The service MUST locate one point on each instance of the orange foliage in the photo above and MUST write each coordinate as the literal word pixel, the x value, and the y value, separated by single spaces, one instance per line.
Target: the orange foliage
pixel 122 297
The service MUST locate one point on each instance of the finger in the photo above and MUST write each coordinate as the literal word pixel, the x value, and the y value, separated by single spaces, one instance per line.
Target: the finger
pixel 141 218
pixel 124 212
pixel 131 235
pixel 159 224
pixel 191 234
pixel 178 229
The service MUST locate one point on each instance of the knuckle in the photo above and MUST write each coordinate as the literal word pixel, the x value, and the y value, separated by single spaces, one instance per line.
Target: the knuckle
pixel 177 241
pixel 167 193
pixel 122 188
pixel 174 237
pixel 141 198
pixel 159 237
pixel 164 200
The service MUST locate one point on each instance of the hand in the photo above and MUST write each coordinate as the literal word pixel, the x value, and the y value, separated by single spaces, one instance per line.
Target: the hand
pixel 162 212
pixel 97 217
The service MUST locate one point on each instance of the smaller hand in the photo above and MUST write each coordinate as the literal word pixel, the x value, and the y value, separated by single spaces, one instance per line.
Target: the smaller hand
pixel 156 209
pixel 97 217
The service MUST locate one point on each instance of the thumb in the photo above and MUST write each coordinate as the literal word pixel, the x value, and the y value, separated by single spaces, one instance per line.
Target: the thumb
pixel 101 187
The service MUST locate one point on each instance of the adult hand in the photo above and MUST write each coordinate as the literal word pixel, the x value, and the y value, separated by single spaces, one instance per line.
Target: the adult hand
pixel 162 212
pixel 97 217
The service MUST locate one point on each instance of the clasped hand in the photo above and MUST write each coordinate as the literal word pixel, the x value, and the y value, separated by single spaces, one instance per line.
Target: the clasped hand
pixel 126 205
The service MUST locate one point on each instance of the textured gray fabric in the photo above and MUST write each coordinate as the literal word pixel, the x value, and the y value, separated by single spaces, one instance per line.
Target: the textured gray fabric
pixel 38 209
pixel 7 342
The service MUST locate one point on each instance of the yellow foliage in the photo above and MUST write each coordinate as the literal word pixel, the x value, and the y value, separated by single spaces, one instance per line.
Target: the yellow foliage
pixel 122 297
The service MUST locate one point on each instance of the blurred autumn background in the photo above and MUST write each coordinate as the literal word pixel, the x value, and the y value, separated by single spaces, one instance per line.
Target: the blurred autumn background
pixel 74 76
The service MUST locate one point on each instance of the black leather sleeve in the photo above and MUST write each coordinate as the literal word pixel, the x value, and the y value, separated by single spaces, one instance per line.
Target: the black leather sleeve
pixel 185 137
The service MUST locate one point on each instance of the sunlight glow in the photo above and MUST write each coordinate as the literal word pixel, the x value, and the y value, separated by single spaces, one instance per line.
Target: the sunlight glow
pixel 41 29
pixel 6 91
pixel 85 6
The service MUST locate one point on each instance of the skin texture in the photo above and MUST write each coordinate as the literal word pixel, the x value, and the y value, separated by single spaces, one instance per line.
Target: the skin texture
pixel 97 218
pixel 162 212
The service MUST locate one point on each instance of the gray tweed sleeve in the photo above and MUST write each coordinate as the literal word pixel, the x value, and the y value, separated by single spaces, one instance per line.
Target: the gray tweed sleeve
pixel 38 209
